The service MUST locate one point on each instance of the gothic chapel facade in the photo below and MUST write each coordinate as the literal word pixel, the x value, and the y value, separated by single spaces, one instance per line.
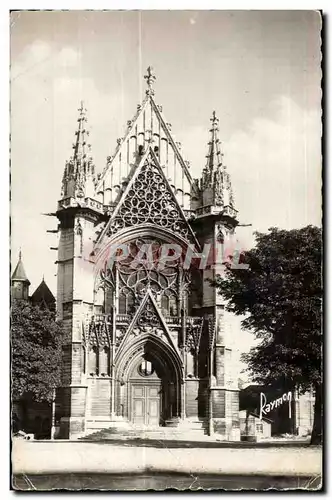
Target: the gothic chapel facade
pixel 145 346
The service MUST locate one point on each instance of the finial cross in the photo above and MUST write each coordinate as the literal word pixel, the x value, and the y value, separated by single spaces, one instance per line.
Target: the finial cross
pixel 150 77
pixel 214 118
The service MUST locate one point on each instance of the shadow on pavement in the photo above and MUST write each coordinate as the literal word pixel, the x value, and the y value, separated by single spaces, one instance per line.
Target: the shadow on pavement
pixel 166 443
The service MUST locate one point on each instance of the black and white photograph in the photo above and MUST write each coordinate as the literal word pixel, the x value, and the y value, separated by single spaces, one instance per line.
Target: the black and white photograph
pixel 166 274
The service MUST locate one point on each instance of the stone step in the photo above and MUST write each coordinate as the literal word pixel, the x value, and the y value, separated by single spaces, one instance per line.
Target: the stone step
pixel 125 426
pixel 194 424
pixel 187 436
pixel 121 432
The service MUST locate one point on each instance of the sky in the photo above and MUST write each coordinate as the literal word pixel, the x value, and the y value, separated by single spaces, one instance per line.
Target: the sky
pixel 259 70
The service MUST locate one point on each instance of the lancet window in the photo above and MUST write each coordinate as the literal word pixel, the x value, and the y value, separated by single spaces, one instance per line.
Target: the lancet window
pixel 143 270
pixel 94 360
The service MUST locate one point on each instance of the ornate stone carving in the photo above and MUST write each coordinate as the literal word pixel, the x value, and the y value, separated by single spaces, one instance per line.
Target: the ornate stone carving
pixel 150 201
pixel 119 334
pixel 211 329
pixel 219 187
pixel 214 174
pixel 107 278
pixel 99 333
pixel 140 349
pixel 193 334
pixel 221 233
pixel 148 321
pixel 150 79
pixel 139 275
pixel 78 228
pixel 85 333
pixel 80 168
pixel 153 330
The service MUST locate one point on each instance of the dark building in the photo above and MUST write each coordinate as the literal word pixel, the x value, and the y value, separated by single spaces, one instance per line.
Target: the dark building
pixel 19 282
pixel 42 296
pixel 294 417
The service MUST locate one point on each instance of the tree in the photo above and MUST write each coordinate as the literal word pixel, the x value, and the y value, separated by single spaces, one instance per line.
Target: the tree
pixel 36 340
pixel 280 296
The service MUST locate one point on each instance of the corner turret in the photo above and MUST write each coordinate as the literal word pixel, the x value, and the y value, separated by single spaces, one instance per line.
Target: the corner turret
pixel 19 282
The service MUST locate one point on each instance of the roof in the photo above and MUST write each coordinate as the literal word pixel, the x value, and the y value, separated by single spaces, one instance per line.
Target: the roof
pixel 261 418
pixel 19 272
pixel 253 414
pixel 148 126
pixel 43 294
pixel 149 165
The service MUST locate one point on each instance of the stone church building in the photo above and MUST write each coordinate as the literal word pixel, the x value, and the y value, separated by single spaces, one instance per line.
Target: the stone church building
pixel 146 340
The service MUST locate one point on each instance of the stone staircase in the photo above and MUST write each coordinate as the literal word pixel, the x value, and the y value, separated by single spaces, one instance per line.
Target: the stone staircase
pixel 193 430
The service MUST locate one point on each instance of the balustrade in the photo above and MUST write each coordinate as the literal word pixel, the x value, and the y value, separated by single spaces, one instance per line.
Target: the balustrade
pixel 125 319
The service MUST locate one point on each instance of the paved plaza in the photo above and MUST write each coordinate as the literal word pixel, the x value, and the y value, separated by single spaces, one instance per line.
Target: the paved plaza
pixel 33 457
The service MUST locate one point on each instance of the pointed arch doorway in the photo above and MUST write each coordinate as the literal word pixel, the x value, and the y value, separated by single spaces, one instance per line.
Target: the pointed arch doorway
pixel 150 394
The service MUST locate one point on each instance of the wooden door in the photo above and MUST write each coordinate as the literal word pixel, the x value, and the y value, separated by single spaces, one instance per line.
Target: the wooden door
pixel 138 404
pixel 153 406
pixel 146 405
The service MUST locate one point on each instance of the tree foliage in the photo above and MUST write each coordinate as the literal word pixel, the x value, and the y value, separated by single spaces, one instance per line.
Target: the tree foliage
pixel 36 340
pixel 280 296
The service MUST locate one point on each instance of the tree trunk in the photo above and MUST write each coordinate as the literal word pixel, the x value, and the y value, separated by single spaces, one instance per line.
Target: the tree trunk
pixel 316 435
pixel 247 423
pixel 24 422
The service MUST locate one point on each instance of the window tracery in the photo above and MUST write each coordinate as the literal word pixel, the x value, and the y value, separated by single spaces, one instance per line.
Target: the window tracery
pixel 150 200
pixel 126 301
pixel 174 287
pixel 169 304
pixel 139 273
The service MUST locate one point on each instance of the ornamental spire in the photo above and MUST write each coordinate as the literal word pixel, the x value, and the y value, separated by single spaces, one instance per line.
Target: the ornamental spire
pixel 79 176
pixel 150 78
pixel 214 156
pixel 80 146
pixel 19 272
pixel 215 177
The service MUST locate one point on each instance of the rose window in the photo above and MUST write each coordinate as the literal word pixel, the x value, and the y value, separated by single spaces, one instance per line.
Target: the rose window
pixel 145 368
pixel 140 272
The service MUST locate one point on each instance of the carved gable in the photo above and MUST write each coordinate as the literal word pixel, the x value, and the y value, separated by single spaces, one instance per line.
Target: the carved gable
pixel 149 199
pixel 147 320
